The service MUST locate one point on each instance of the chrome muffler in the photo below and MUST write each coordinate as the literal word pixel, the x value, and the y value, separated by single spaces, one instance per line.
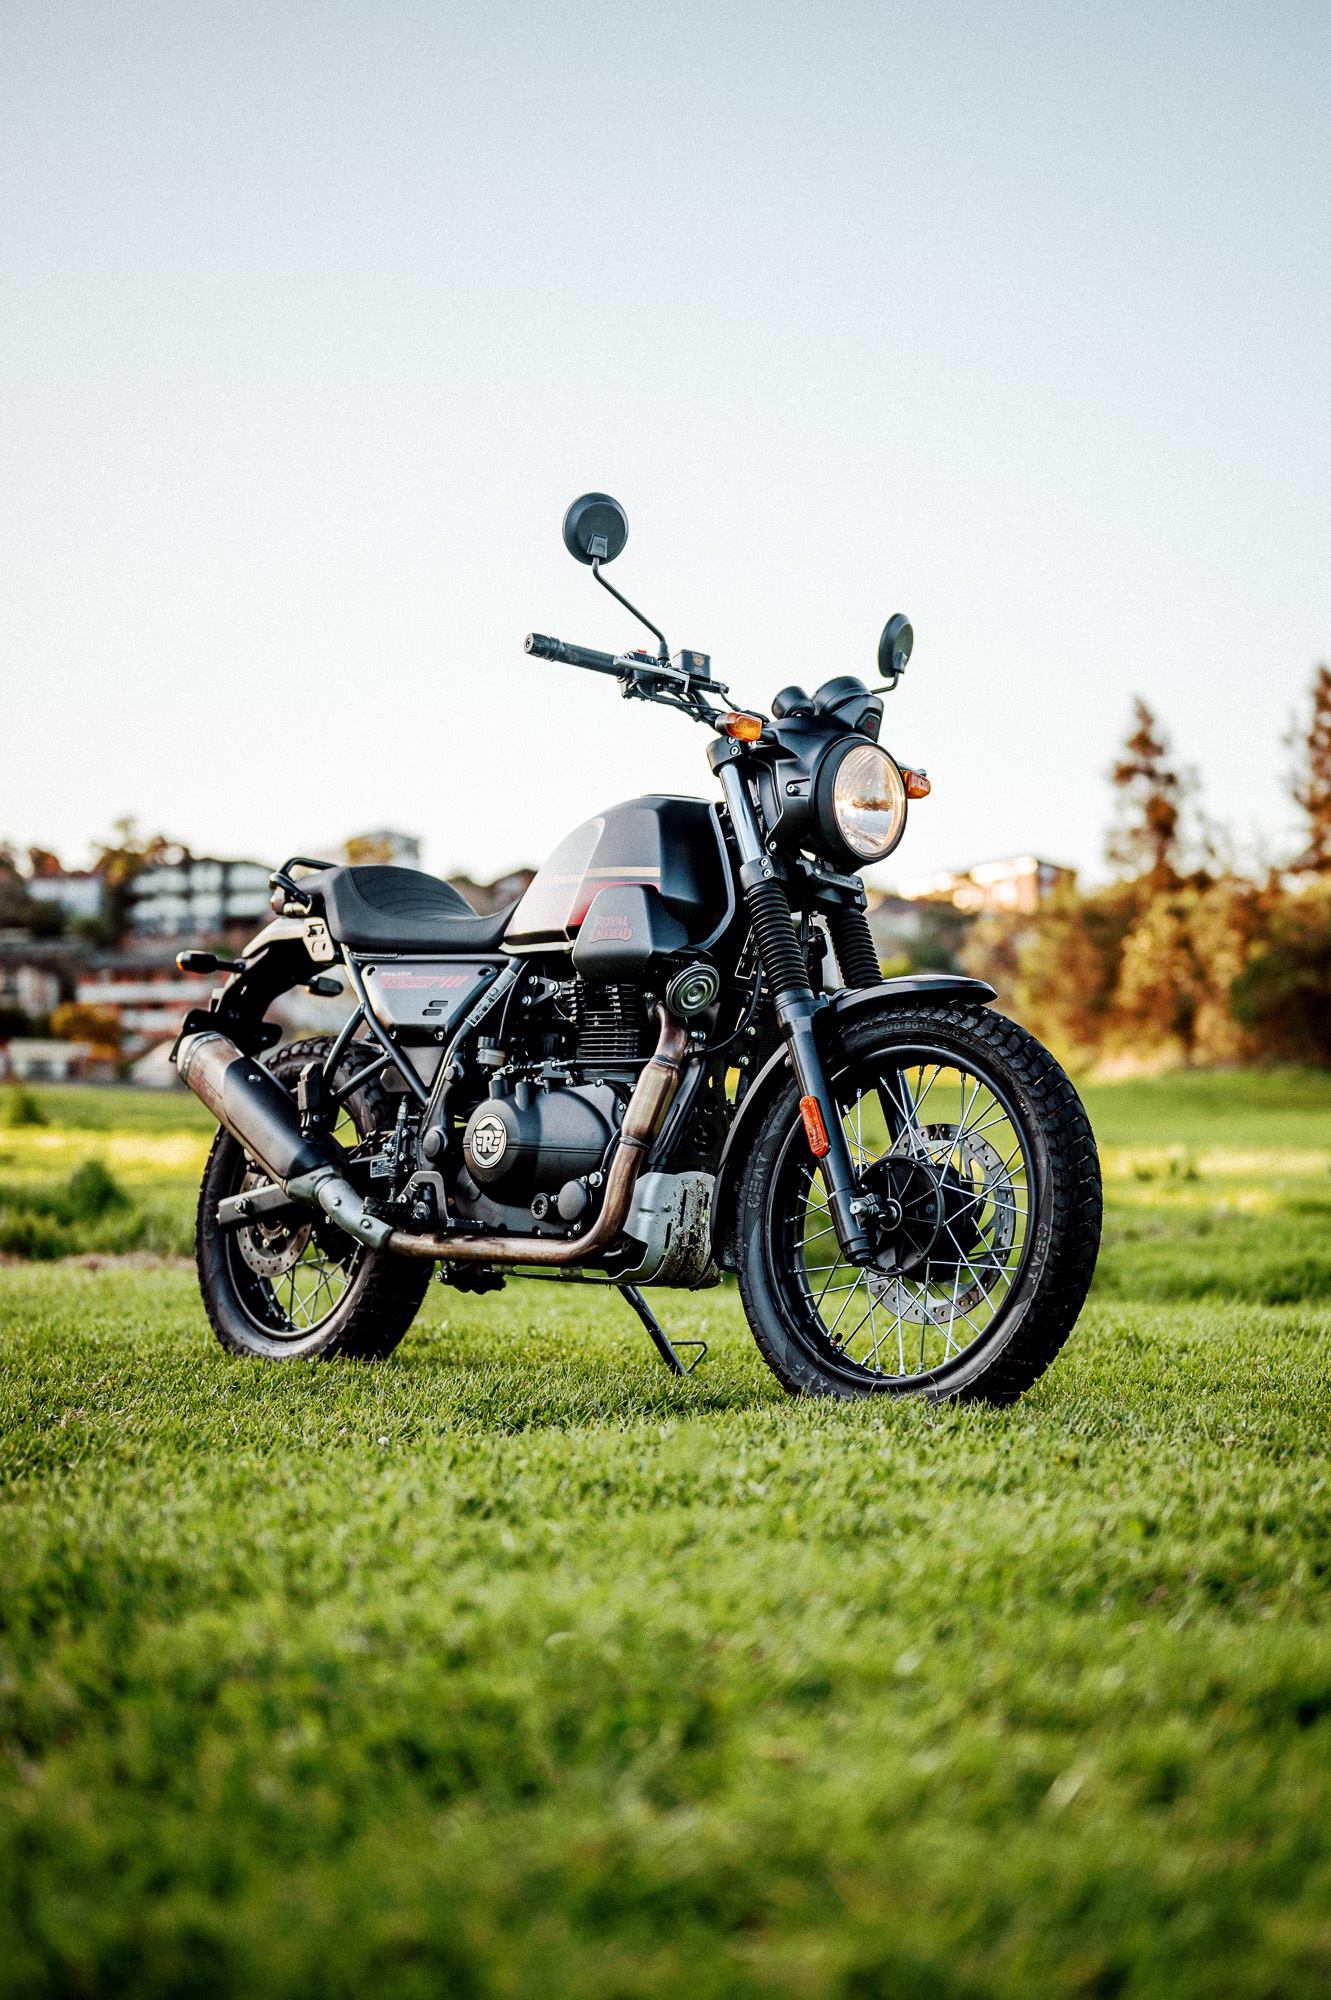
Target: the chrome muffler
pixel 255 1109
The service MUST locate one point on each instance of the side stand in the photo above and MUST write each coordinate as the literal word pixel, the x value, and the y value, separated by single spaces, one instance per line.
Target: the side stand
pixel 659 1338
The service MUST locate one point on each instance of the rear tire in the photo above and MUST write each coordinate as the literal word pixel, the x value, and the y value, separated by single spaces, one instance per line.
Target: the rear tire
pixel 987 1164
pixel 304 1291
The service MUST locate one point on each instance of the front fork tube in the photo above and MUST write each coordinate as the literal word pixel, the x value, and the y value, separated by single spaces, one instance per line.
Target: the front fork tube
pixel 787 980
pixel 796 1016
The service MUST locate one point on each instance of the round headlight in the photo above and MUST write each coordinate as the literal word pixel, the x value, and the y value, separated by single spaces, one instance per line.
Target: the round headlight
pixel 868 802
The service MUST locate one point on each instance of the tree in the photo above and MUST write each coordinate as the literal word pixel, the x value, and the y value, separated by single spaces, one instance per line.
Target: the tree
pixel 118 861
pixel 1310 784
pixel 18 910
pixel 127 853
pixel 1068 965
pixel 75 1021
pixel 1283 995
pixel 1147 838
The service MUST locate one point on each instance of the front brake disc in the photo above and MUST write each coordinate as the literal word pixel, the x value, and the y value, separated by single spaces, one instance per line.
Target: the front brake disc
pixel 980 1216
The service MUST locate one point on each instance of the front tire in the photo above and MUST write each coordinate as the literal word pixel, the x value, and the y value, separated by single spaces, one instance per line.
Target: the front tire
pixel 981 1160
pixel 303 1290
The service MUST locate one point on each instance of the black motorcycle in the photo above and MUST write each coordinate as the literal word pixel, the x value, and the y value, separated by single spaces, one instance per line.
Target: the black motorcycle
pixel 647 1073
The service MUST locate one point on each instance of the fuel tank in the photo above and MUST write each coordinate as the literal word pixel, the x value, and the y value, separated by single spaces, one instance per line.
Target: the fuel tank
pixel 669 844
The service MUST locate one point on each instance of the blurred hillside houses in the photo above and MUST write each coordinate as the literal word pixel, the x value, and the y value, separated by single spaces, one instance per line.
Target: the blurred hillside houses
pixel 198 897
pixel 89 985
pixel 924 926
pixel 77 893
pixel 384 846
pixel 1019 885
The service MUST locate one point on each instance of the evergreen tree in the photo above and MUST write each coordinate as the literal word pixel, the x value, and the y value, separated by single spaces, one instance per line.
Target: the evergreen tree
pixel 1311 782
pixel 1146 840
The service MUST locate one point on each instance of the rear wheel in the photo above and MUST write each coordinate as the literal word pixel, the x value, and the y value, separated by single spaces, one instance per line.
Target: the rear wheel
pixel 301 1288
pixel 984 1175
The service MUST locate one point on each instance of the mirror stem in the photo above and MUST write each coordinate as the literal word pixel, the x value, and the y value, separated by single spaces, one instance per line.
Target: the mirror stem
pixel 620 598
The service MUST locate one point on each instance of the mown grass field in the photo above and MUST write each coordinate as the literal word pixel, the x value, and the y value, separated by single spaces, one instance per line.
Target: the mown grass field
pixel 516 1667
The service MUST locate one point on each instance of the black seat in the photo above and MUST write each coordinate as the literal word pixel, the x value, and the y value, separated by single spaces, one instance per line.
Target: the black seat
pixel 400 909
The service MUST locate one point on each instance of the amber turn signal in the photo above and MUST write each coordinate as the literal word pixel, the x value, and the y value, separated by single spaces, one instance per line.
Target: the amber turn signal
pixel 814 1129
pixel 917 784
pixel 744 728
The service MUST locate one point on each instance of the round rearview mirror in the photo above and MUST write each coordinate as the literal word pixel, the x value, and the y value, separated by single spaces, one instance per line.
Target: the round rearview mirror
pixel 894 648
pixel 595 528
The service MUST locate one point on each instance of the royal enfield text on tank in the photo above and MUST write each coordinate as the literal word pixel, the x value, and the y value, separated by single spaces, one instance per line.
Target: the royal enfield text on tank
pixel 676 1056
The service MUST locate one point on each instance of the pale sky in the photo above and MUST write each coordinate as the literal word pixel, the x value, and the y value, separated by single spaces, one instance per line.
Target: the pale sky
pixel 1012 317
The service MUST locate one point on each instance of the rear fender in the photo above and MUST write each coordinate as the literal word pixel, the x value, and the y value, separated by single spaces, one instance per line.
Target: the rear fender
pixel 930 986
pixel 272 963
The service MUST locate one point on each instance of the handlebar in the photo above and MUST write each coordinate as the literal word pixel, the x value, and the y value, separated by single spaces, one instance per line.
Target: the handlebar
pixel 570 655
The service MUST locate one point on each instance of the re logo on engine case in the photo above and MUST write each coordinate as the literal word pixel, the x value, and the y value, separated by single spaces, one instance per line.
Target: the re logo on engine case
pixel 487 1139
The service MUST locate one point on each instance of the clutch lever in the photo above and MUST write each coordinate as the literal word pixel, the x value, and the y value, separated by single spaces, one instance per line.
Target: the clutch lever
pixel 642 667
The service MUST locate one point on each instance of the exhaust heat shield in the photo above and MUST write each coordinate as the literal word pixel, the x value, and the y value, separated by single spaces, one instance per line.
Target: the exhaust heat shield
pixel 258 1112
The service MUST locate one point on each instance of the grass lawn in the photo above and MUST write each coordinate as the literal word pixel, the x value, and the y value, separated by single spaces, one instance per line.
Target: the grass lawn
pixel 152 1145
pixel 515 1667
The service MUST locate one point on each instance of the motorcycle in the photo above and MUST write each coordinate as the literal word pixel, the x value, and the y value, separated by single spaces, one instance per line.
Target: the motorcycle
pixel 675 1056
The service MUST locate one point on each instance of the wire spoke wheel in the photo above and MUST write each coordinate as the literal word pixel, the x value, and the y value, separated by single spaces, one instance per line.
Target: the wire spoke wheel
pixel 946 1162
pixel 290 1277
pixel 980 1191
pixel 295 1285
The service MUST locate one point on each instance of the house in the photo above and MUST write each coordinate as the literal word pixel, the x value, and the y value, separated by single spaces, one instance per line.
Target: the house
pixel 25 988
pixel 1018 886
pixel 36 974
pixel 383 845
pixel 77 891
pixel 197 898
pixel 142 987
pixel 32 1061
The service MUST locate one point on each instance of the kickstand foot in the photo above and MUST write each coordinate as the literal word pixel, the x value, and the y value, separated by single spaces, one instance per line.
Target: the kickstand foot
pixel 659 1338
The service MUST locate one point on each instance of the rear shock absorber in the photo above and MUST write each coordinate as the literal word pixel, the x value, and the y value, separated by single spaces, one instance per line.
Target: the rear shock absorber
pixel 853 941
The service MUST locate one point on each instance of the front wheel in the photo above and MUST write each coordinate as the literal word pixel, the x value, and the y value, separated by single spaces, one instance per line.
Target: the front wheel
pixel 983 1173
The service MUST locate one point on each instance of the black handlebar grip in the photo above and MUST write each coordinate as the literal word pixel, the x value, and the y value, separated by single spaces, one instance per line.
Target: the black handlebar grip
pixel 570 656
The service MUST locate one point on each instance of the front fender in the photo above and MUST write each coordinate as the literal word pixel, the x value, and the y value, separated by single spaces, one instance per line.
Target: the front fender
pixel 850 999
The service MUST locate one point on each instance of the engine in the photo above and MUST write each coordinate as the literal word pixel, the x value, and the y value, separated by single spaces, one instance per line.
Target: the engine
pixel 537 1144
pixel 538 1135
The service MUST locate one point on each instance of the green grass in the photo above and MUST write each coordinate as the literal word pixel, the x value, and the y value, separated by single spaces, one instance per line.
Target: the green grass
pixel 1253 1110
pixel 82 1107
pixel 148 1147
pixel 1217 1186
pixel 516 1667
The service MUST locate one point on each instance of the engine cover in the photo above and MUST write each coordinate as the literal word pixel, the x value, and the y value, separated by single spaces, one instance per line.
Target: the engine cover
pixel 534 1139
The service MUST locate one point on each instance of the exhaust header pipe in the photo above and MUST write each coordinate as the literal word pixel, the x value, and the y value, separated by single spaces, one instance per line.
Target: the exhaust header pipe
pixel 262 1116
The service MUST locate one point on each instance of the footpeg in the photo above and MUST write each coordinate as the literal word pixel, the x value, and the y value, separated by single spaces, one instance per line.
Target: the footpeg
pixel 269 1205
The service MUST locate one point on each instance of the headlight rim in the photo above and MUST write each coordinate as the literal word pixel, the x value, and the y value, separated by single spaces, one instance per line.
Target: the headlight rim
pixel 824 815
